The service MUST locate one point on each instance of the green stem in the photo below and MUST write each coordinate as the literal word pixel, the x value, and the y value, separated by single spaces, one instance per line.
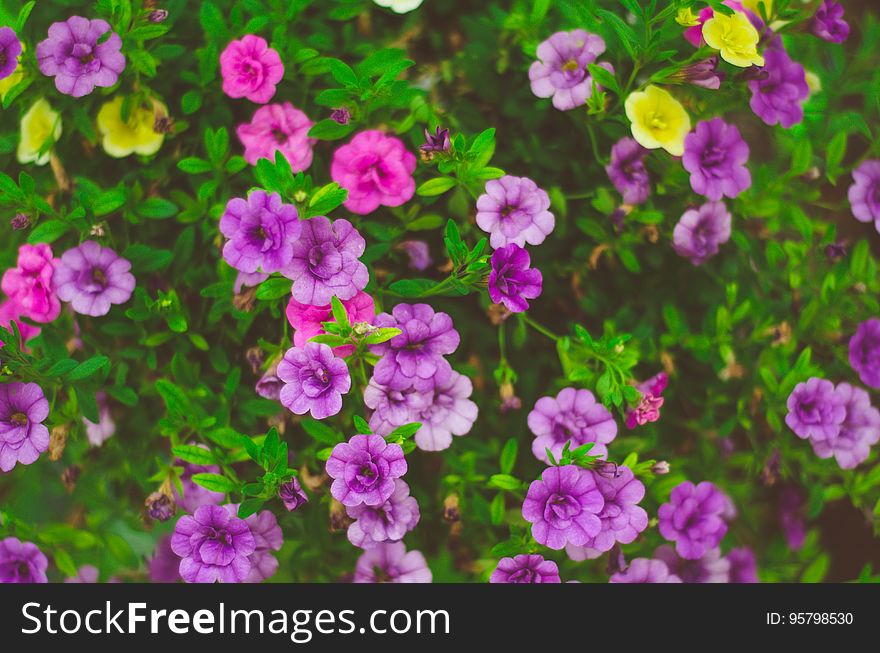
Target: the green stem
pixel 540 328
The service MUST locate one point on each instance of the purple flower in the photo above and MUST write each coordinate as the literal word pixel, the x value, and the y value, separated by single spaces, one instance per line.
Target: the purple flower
pixel 828 23
pixel 194 496
pixel 561 69
pixel 23 436
pixel 260 232
pixel 792 506
pixel 392 408
pixel 314 380
pixel 388 522
pixel 627 171
pixel 78 58
pixel 859 431
pixel 19 221
pixel 92 278
pixel 708 568
pixel 417 352
pixel 326 262
pixel 159 506
pixel 700 231
pixel 363 470
pixel 715 154
pixel 815 410
pixel 88 574
pixel 525 569
pixel 98 433
pixel 864 194
pixel 704 74
pixel 341 116
pixel 572 416
pixel 419 254
pixel 10 50
pixel 694 518
pixel 512 281
pixel 648 408
pixel 864 352
pixel 267 538
pixel 779 95
pixel 622 518
pixel 269 386
pixel 439 141
pixel 214 545
pixel 450 412
pixel 292 495
pixel 163 566
pixel 643 570
pixel 563 507
pixel 389 562
pixel 514 210
pixel 743 568
pixel 21 562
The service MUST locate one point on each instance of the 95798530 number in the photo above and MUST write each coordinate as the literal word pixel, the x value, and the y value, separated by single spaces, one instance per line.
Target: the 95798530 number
pixel 809 618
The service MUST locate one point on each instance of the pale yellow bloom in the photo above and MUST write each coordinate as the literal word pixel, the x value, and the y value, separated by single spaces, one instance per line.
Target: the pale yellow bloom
pixel 16 76
pixel 136 136
pixel 658 120
pixel 752 5
pixel 814 84
pixel 735 38
pixel 687 18
pixel 39 126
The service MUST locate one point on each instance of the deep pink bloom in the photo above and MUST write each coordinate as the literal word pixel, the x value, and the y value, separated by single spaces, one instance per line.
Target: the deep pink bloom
pixel 512 280
pixel 12 312
pixel 250 69
pixel 376 169
pixel 694 35
pixel 743 568
pixel 306 320
pixel 29 284
pixel 648 408
pixel 278 128
pixel 563 507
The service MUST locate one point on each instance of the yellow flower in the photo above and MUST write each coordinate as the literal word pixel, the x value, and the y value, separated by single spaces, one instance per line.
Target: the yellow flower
pixel 752 5
pixel 687 18
pixel 814 83
pixel 735 38
pixel 16 76
pixel 658 120
pixel 137 136
pixel 39 126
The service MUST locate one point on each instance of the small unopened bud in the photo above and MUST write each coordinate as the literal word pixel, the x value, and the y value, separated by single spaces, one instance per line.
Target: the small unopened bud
pixel 97 230
pixel 292 495
pixel 163 124
pixel 660 467
pixel 451 511
pixel 58 440
pixel 341 115
pixel 160 506
pixel 606 468
pixel 254 357
pixel 509 400
pixel 300 196
pixel 158 16
pixel 20 221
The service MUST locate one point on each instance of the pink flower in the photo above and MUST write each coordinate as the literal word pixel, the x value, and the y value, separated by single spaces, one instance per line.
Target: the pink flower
pixel 278 127
pixel 250 69
pixel 9 312
pixel 306 319
pixel 29 284
pixel 376 170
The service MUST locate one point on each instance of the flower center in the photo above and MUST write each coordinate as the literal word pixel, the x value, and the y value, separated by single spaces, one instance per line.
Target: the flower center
pixel 3 58
pixel 657 121
pixel 523 576
pixel 279 136
pixel 321 373
pixel 506 210
pixel 570 66
pixel 380 575
pixel 19 419
pixel 99 277
pixel 221 536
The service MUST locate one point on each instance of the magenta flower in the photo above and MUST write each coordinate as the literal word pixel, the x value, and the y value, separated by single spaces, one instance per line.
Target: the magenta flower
pixel 278 128
pixel 694 518
pixel 643 570
pixel 648 408
pixel 418 252
pixel 22 562
pixel 29 284
pixel 864 194
pixel 778 95
pixel 715 154
pixel 439 141
pixel 326 262
pixel 743 568
pixel 694 35
pixel 10 50
pixel 11 312
pixel 828 23
pixel 306 320
pixel 389 562
pixel 23 436
pixel 621 517
pixel 708 568
pixel 449 412
pixel 561 69
pixel 511 280
pixel 214 546
pixel 859 431
pixel 815 410
pixel 572 416
pixel 77 56
pixel 92 278
pixel 250 69
pixel 314 380
pixel 525 569
pixel 627 171
pixel 417 352
pixel 864 352
pixel 700 231
pixel 364 469
pixel 260 231
pixel 563 507
pixel 292 495
pixel 376 169
pixel 514 210
pixel 388 522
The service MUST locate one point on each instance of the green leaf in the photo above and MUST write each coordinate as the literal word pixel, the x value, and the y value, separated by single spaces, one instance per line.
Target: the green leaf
pixel 361 426
pixel 249 506
pixel 194 165
pixel 108 202
pixel 339 312
pixel 834 156
pixel 504 482
pixel 274 288
pixel 326 199
pixel 343 73
pixel 48 231
pixel 321 432
pixel 508 455
pixel 194 454
pixel 214 482
pixel 381 335
pixel 434 187
pixel 483 147
pixel 330 130
pixel 87 368
pixel 412 287
pixel 426 222
pixel 156 208
pixel 604 78
pixel 403 432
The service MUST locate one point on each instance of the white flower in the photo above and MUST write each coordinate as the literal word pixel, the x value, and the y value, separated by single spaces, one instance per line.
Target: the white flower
pixel 399 6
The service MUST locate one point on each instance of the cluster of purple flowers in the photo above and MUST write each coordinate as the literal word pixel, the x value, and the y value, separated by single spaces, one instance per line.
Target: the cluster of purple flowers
pixel 838 421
